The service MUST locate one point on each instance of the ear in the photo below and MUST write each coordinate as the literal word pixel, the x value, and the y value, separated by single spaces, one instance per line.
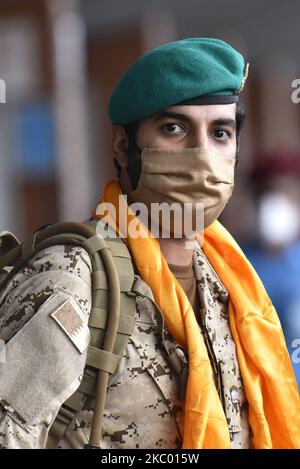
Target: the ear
pixel 120 145
pixel 120 149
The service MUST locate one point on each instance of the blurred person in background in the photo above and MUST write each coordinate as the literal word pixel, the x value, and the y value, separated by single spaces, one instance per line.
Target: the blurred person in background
pixel 275 253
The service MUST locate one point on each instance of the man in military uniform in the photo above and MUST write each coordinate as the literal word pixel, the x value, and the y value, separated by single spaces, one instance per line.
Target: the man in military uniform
pixel 176 120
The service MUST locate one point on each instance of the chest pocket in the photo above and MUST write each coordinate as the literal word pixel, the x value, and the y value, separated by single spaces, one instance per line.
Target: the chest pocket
pixel 160 356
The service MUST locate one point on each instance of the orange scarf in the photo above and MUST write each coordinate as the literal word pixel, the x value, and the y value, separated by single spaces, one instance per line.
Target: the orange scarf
pixel 269 382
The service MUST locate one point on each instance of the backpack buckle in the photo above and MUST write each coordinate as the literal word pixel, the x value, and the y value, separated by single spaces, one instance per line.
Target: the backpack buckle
pixel 8 241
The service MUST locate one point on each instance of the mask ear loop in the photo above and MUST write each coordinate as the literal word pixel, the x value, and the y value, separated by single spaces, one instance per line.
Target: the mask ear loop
pixel 237 155
pixel 133 170
pixel 237 160
pixel 134 166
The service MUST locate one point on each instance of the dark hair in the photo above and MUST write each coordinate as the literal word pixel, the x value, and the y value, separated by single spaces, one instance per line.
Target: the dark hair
pixel 132 128
pixel 240 117
pixel 132 150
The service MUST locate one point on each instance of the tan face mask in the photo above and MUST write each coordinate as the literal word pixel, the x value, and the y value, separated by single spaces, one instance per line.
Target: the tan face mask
pixel 190 175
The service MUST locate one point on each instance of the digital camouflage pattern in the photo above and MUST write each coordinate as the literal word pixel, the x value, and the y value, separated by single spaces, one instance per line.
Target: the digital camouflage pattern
pixel 144 407
pixel 66 267
pixel 215 327
pixel 54 272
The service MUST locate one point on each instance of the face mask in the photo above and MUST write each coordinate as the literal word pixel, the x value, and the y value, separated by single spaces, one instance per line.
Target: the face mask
pixel 192 176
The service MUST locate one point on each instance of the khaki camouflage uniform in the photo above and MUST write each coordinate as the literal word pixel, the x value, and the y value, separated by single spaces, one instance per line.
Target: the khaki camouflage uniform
pixel 144 408
pixel 214 321
pixel 44 367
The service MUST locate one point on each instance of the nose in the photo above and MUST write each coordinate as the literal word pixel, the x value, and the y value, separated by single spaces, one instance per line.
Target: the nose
pixel 199 139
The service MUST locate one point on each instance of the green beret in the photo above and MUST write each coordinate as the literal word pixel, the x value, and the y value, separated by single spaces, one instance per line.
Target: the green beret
pixel 175 73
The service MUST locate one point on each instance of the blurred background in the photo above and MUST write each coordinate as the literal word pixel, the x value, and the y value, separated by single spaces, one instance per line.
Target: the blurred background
pixel 60 60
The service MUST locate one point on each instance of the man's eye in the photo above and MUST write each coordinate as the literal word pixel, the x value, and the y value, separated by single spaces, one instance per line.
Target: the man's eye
pixel 222 134
pixel 173 128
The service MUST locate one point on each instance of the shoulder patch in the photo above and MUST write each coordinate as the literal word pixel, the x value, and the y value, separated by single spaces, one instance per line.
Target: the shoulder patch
pixel 73 322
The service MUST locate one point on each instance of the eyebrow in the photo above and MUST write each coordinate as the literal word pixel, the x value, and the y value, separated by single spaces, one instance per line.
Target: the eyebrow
pixel 184 117
pixel 225 121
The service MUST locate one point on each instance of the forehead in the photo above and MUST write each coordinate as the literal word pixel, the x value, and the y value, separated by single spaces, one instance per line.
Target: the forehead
pixel 196 111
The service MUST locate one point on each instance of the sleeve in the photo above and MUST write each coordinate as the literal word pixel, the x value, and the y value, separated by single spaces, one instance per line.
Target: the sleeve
pixel 44 314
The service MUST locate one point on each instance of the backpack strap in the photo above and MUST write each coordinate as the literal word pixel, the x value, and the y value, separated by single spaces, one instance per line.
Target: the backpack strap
pixel 101 360
pixel 86 236
pixel 97 358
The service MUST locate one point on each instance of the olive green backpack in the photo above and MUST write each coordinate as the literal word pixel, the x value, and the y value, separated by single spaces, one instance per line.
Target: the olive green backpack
pixel 114 289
